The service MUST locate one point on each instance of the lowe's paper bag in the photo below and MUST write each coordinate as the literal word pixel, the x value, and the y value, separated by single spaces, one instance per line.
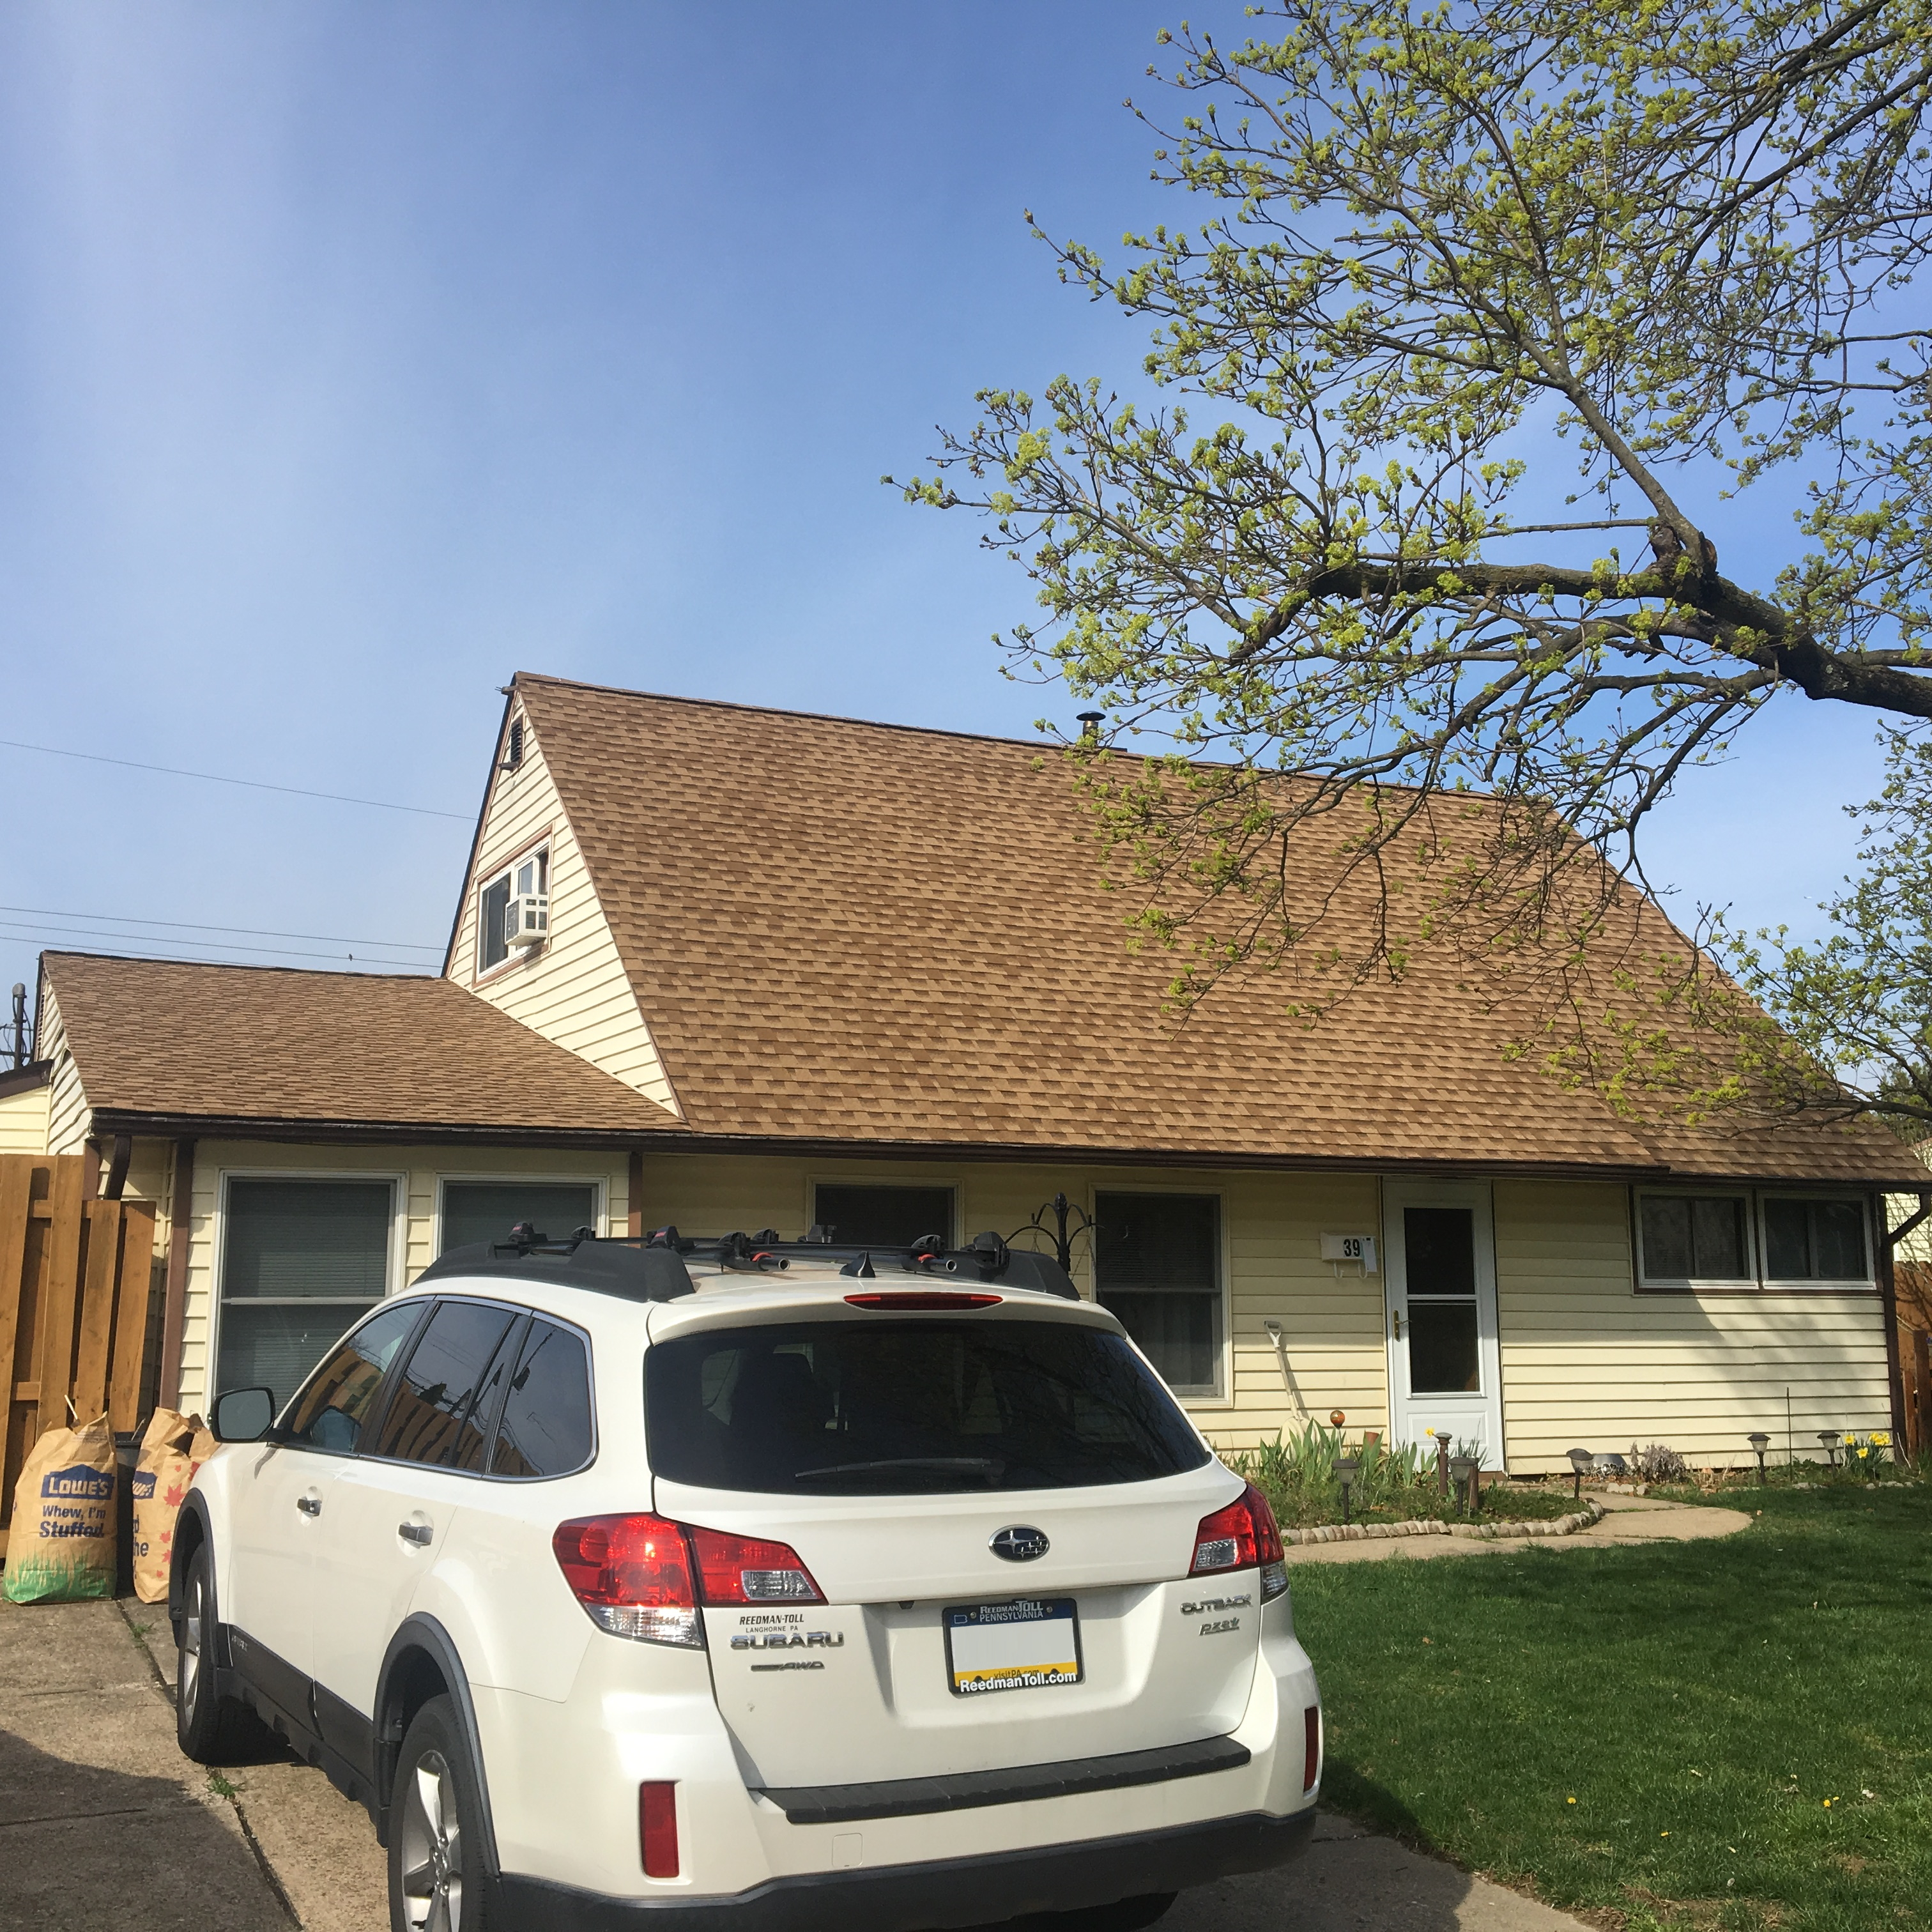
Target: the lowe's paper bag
pixel 60 1547
pixel 173 1448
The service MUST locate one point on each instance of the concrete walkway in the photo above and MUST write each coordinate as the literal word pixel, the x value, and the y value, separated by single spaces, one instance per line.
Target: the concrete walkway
pixel 102 1823
pixel 1628 1520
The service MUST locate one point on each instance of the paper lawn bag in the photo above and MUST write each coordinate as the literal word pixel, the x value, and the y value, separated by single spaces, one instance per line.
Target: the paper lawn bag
pixel 60 1547
pixel 173 1448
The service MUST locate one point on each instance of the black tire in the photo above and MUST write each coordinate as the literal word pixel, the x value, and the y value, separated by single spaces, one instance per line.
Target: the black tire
pixel 210 1729
pixel 435 1872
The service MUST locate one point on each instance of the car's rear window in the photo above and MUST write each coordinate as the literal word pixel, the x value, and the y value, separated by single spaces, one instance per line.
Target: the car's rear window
pixel 884 1407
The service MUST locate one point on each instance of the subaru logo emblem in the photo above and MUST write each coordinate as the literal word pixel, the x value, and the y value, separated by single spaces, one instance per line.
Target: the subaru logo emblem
pixel 1019 1542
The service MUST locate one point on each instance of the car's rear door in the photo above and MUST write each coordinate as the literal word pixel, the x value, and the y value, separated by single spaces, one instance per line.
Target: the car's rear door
pixel 1008 1587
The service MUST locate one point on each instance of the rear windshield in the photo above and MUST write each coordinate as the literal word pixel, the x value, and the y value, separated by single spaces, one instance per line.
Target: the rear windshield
pixel 886 1407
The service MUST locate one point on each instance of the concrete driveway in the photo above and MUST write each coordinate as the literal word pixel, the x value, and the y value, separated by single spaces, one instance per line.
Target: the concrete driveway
pixel 102 1823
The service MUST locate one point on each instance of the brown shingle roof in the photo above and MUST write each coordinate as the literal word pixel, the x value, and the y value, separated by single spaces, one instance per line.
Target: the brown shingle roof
pixel 253 1044
pixel 869 934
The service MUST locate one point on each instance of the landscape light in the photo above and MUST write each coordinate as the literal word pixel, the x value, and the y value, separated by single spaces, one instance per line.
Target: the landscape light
pixel 1347 1468
pixel 1831 1438
pixel 1760 1442
pixel 1581 1460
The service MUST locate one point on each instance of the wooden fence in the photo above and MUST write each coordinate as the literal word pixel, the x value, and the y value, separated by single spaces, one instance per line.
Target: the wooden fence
pixel 1913 1281
pixel 75 1285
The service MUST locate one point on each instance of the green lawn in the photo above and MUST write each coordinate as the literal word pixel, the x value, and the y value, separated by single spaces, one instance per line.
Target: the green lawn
pixel 1655 1731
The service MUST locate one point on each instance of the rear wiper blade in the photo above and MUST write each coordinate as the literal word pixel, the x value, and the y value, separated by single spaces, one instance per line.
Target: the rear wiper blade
pixel 981 1465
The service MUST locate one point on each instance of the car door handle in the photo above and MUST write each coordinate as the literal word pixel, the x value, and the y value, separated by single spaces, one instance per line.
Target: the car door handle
pixel 309 1505
pixel 419 1533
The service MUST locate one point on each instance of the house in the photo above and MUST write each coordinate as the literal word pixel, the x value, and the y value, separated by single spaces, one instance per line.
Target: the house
pixel 773 970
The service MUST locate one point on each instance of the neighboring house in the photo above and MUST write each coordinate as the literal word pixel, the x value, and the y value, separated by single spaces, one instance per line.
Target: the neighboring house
pixel 784 969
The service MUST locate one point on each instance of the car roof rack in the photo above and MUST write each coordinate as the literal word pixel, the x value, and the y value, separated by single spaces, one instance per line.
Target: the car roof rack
pixel 986 1258
pixel 631 1269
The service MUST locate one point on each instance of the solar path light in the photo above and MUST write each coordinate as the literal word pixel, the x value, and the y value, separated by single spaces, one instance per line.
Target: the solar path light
pixel 1581 1460
pixel 1831 1438
pixel 1760 1442
pixel 1347 1468
pixel 1464 1469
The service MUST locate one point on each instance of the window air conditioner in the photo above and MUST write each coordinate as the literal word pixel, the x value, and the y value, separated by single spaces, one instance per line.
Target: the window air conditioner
pixel 526 919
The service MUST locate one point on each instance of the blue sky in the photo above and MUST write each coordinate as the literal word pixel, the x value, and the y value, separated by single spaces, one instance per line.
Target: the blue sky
pixel 353 356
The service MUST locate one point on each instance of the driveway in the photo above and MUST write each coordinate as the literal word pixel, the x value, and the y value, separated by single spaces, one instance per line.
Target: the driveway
pixel 102 1823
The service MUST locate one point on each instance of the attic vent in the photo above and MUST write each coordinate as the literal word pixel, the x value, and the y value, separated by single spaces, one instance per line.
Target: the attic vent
pixel 515 757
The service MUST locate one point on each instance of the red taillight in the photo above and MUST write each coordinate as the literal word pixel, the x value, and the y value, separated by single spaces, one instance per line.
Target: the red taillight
pixel 633 1574
pixel 1311 1759
pixel 928 1300
pixel 1238 1538
pixel 637 1577
pixel 657 1828
pixel 748 1569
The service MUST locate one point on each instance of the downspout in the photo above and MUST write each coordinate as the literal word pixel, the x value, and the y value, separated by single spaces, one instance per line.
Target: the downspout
pixel 174 1319
pixel 637 1194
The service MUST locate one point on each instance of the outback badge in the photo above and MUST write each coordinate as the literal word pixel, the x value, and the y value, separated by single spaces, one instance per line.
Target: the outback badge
pixel 1019 1542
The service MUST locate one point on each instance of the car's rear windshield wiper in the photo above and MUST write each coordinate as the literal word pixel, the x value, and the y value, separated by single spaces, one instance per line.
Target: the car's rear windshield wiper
pixel 965 1466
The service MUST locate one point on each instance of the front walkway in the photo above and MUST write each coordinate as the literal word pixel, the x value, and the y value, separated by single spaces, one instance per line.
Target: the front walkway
pixel 1627 1520
pixel 103 1823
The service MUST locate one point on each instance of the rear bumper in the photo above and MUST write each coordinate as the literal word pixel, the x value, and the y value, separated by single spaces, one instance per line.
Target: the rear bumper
pixel 934 1893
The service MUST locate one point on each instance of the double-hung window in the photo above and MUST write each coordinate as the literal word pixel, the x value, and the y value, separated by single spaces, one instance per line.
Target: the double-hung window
pixel 301 1261
pixel 1157 1268
pixel 529 874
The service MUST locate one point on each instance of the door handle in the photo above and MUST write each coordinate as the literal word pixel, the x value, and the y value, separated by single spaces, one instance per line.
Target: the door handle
pixel 1395 1323
pixel 309 1505
pixel 417 1533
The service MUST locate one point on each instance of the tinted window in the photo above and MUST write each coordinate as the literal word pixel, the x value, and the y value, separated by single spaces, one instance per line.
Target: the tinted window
pixel 1814 1241
pixel 1695 1238
pixel 436 1413
pixel 880 1408
pixel 893 1217
pixel 546 1426
pixel 332 1412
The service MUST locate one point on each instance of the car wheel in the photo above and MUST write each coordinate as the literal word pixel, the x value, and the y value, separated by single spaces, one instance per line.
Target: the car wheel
pixel 435 1832
pixel 210 1729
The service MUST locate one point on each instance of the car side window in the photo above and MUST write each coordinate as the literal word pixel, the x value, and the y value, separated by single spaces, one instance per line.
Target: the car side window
pixel 440 1407
pixel 335 1407
pixel 545 1429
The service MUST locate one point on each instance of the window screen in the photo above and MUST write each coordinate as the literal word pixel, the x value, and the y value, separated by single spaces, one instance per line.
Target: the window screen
pixel 546 1426
pixel 1156 1260
pixel 492 948
pixel 1815 1240
pixel 893 1217
pixel 486 1210
pixel 336 1406
pixel 300 1260
pixel 1695 1238
pixel 441 1410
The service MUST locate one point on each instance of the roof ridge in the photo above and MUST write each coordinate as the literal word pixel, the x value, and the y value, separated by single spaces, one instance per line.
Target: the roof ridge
pixel 234 966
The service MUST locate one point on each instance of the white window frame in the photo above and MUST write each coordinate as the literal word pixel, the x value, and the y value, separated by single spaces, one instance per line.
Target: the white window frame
pixel 1221 1395
pixel 1647 1283
pixel 516 955
pixel 394 1264
pixel 598 1183
pixel 931 1182
pixel 1813 1284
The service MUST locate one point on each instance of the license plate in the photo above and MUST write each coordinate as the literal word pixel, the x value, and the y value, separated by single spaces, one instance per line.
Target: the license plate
pixel 1020 1645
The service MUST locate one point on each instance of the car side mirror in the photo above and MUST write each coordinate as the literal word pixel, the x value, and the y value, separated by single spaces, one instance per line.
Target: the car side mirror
pixel 242 1415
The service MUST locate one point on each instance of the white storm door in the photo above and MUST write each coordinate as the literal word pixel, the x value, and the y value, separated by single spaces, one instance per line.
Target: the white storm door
pixel 1439 1273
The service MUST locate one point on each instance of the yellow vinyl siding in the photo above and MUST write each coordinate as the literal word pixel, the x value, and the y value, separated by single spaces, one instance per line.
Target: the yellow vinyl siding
pixel 1271 1224
pixel 1588 1362
pixel 67 1108
pixel 575 990
pixel 23 1120
pixel 420 1170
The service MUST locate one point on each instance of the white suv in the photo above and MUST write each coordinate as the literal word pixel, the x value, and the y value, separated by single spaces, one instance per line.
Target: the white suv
pixel 750 1584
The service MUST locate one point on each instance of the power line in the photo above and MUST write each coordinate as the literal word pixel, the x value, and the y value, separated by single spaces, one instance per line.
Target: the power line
pixel 216 778
pixel 202 925
pixel 12 928
pixel 413 971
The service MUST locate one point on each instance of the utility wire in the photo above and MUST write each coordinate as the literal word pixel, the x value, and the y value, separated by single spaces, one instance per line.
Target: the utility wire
pixel 12 929
pixel 216 778
pixel 201 925
pixel 413 970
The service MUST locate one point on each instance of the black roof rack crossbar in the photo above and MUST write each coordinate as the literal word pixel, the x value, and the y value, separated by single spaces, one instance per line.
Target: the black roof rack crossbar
pixel 986 1258
pixel 631 1269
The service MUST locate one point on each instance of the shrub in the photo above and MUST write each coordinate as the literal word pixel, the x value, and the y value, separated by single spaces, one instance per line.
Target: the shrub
pixel 1657 1462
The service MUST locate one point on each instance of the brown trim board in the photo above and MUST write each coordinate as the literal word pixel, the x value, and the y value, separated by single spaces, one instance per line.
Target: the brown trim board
pixel 174 1319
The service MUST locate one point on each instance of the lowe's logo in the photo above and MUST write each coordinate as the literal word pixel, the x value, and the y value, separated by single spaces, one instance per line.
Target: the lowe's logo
pixel 77 1485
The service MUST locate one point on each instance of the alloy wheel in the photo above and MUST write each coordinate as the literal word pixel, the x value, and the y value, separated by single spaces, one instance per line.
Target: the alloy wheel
pixel 188 1663
pixel 432 1848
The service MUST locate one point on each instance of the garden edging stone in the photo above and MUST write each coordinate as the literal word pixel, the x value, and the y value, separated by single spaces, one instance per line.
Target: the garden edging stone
pixel 1370 1532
